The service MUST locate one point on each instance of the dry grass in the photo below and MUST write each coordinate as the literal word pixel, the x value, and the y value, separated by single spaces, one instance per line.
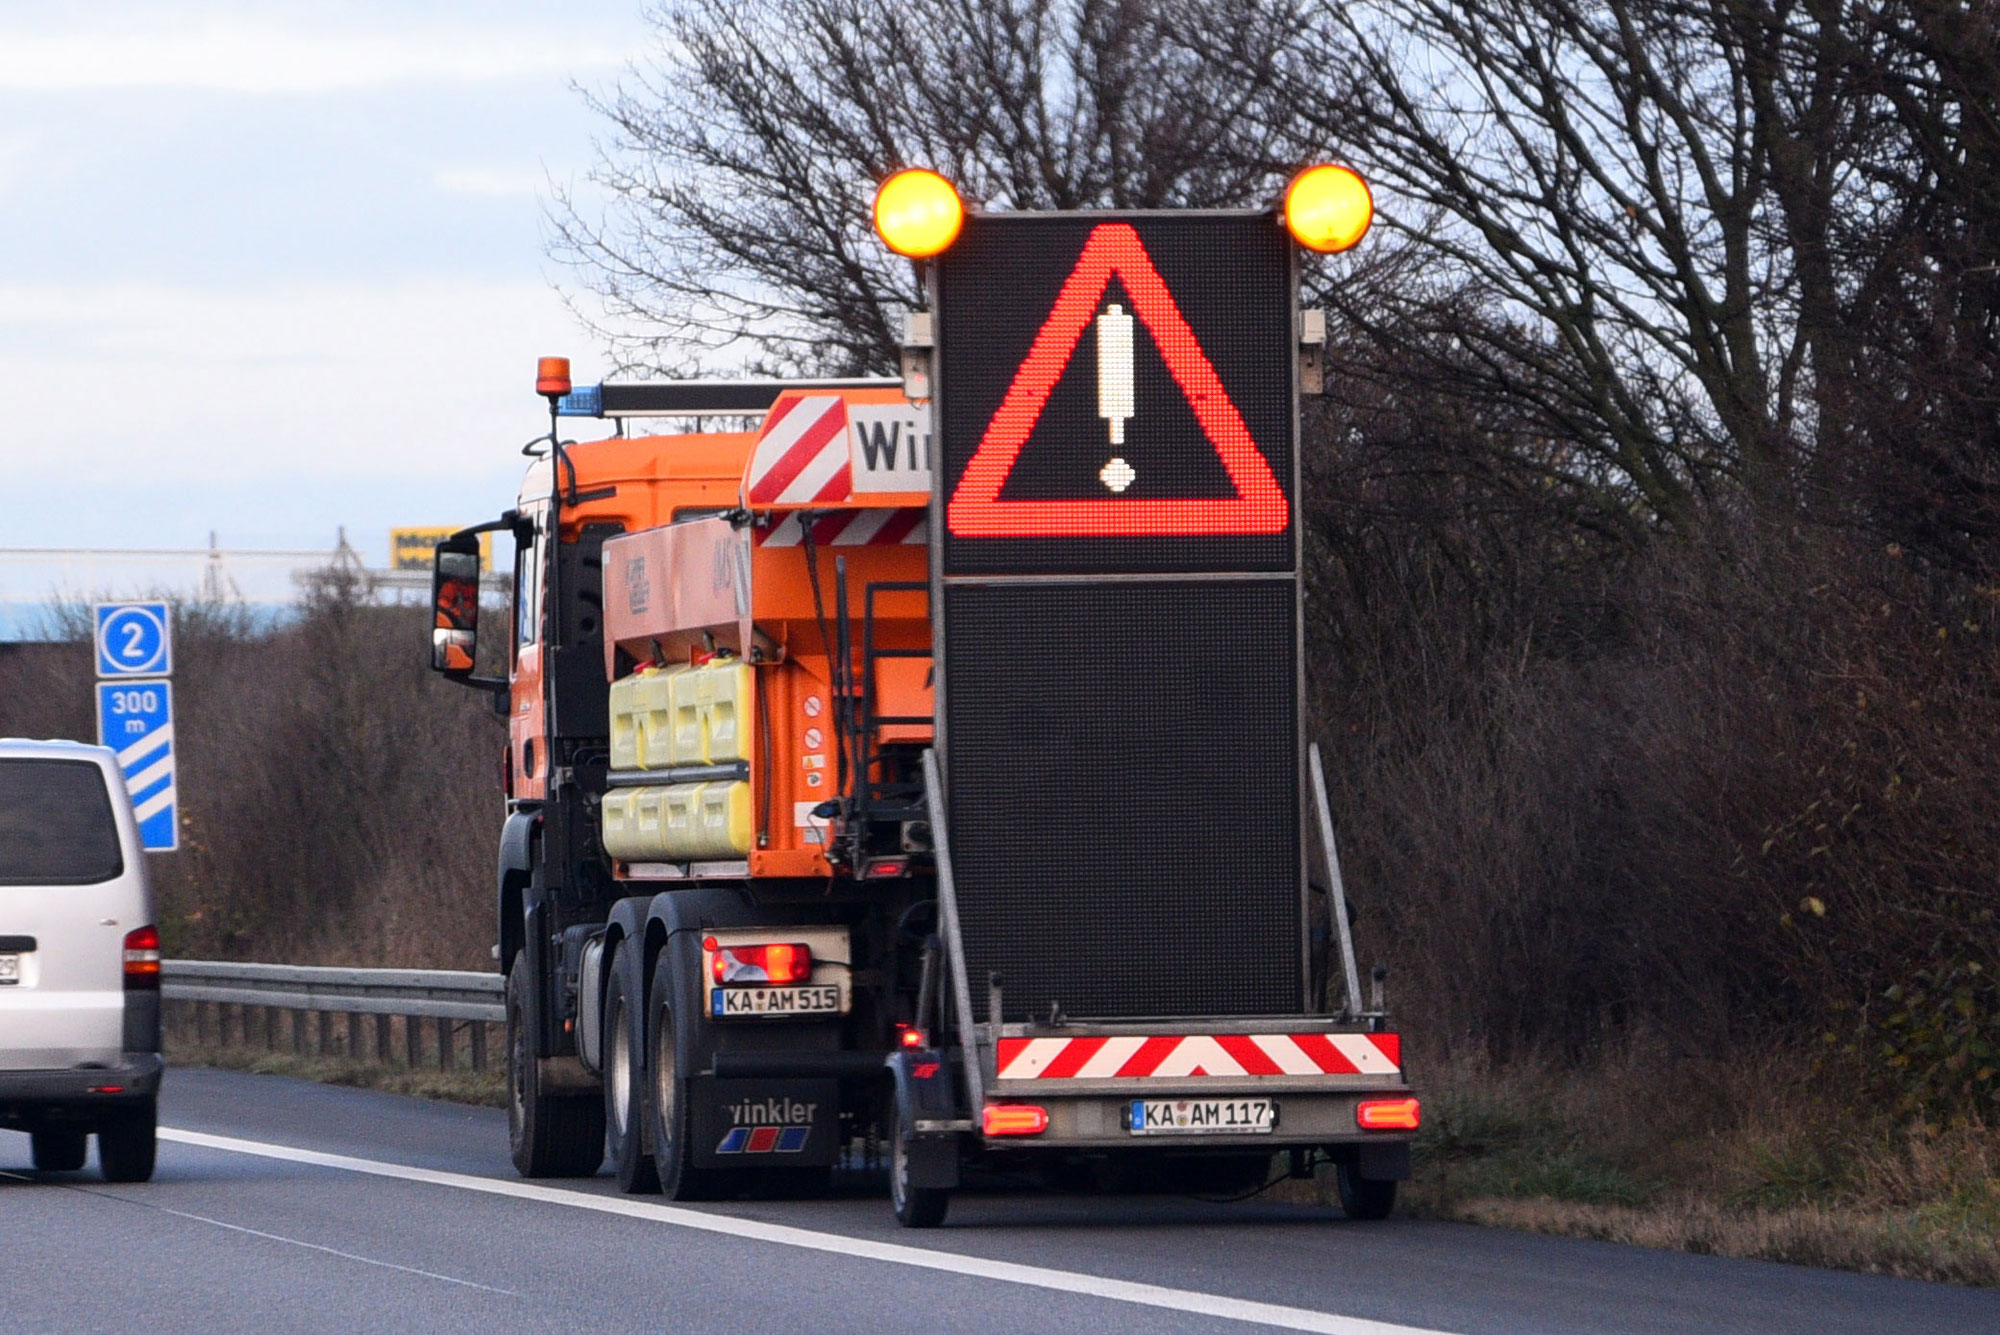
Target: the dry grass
pixel 486 1089
pixel 1932 1243
pixel 1771 1164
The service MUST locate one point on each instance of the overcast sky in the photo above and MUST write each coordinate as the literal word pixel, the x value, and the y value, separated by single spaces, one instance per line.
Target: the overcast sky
pixel 267 269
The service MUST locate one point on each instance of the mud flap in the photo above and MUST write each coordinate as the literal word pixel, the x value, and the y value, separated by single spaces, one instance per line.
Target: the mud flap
pixel 926 1094
pixel 1383 1161
pixel 764 1123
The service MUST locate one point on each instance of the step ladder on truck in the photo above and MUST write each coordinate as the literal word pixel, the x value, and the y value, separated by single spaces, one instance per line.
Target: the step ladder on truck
pixel 918 775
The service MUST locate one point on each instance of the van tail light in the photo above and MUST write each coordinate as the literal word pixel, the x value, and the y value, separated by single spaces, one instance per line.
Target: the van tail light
pixel 142 959
pixel 1387 1114
pixel 1013 1119
pixel 759 966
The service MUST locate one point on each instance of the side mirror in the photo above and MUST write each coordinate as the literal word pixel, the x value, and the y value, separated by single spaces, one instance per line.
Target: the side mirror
pixel 455 606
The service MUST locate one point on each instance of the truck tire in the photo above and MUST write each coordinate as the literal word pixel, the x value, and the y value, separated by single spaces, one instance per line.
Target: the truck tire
pixel 916 1207
pixel 128 1142
pixel 625 1088
pixel 1364 1198
pixel 549 1135
pixel 58 1150
pixel 672 1117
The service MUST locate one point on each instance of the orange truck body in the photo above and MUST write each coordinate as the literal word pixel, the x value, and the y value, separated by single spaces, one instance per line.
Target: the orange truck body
pixel 684 580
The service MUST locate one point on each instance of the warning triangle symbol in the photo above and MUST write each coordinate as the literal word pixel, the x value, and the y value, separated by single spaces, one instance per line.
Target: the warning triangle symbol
pixel 976 510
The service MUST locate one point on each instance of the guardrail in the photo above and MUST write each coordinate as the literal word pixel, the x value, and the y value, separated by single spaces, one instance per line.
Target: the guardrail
pixel 222 992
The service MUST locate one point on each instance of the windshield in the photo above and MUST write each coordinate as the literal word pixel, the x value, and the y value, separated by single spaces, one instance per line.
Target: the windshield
pixel 56 824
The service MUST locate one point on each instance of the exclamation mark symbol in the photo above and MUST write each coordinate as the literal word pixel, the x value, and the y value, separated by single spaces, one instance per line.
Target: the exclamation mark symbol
pixel 1114 388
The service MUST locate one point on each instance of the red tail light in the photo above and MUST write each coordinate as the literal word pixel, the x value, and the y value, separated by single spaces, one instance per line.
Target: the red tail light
pixel 910 1036
pixel 761 966
pixel 1387 1115
pixel 142 958
pixel 1014 1119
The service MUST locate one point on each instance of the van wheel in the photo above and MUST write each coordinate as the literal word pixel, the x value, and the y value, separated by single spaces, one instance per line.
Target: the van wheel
pixel 58 1151
pixel 625 1090
pixel 1365 1197
pixel 672 1117
pixel 127 1142
pixel 548 1135
pixel 916 1207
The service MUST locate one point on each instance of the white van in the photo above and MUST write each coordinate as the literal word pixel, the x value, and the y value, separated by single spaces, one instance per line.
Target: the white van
pixel 79 961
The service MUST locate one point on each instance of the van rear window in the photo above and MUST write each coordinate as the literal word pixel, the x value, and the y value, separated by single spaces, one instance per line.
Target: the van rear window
pixel 56 825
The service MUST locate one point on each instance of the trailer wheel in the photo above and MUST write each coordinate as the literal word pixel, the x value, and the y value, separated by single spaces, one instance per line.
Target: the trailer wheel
pixel 916 1207
pixel 549 1135
pixel 1364 1198
pixel 670 1111
pixel 625 1089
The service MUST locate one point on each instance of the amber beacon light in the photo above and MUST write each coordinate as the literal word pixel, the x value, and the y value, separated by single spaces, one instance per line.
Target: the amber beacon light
pixel 918 213
pixel 1328 208
pixel 552 376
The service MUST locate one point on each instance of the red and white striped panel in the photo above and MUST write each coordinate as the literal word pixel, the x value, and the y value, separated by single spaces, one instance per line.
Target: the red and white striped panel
pixel 852 528
pixel 1179 1056
pixel 803 454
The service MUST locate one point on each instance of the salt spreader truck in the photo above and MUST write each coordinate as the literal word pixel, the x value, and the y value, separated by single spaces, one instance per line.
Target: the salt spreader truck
pixel 918 776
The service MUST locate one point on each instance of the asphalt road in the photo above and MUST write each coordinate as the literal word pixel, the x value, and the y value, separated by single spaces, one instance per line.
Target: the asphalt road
pixel 281 1205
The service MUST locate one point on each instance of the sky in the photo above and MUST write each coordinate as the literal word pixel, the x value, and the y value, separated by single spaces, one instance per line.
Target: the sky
pixel 267 270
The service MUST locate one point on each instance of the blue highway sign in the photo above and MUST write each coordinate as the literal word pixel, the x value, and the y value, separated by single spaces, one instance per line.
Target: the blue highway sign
pixel 136 719
pixel 134 640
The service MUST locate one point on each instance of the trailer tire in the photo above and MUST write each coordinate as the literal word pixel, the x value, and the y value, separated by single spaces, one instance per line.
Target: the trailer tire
pixel 916 1207
pixel 671 1115
pixel 548 1135
pixel 1364 1198
pixel 625 1110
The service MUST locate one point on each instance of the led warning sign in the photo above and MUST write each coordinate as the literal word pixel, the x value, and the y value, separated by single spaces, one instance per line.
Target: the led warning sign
pixel 1116 394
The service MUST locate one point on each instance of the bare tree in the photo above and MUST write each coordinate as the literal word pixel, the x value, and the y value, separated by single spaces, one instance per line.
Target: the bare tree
pixel 1593 184
pixel 744 156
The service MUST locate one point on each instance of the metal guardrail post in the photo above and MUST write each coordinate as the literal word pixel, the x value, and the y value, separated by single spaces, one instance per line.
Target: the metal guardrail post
pixel 446 997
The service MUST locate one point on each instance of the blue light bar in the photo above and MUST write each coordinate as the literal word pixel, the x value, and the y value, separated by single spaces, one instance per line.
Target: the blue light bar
pixel 583 401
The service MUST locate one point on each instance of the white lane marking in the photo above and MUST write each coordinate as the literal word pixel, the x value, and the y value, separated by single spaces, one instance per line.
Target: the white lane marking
pixel 276 1237
pixel 1041 1277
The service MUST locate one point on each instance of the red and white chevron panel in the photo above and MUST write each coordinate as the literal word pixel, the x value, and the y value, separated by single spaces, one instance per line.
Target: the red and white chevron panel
pixel 803 454
pixel 1180 1056
pixel 906 525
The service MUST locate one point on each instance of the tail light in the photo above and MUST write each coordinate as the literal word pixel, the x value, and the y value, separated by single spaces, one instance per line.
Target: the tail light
pixel 911 1036
pixel 759 966
pixel 1387 1114
pixel 1013 1119
pixel 142 958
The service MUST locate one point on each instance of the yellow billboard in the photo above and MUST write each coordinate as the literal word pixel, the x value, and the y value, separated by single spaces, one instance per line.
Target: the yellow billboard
pixel 410 548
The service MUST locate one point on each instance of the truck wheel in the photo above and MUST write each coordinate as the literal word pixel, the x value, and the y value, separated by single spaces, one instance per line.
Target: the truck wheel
pixel 672 1117
pixel 625 1090
pixel 916 1207
pixel 58 1151
pixel 127 1143
pixel 1365 1197
pixel 549 1135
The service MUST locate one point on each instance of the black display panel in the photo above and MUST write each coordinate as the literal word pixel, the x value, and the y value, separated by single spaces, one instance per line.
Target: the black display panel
pixel 1122 761
pixel 1115 394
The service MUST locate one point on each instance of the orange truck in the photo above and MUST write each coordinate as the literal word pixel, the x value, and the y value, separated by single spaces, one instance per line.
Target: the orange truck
pixel 916 779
